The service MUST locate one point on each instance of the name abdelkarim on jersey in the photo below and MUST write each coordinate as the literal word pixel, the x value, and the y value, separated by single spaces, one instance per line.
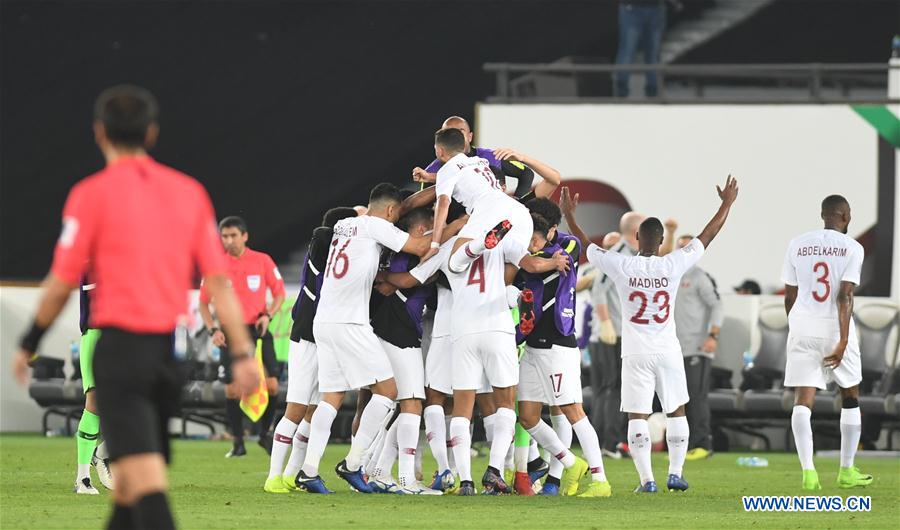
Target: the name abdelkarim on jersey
pixel 468 180
pixel 816 263
pixel 352 265
pixel 647 287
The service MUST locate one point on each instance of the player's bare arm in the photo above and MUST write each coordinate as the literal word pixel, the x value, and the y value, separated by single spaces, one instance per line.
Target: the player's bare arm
pixel 568 204
pixel 418 245
pixel 551 177
pixel 535 265
pixel 400 280
pixel 420 175
pixel 790 296
pixel 845 312
pixel 417 200
pixel 244 369
pixel 728 195
pixel 441 210
pixel 668 245
pixel 453 228
pixel 53 300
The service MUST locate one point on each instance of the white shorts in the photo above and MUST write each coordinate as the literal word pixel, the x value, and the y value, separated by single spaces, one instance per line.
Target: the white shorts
pixel 439 365
pixel 409 370
pixel 486 217
pixel 492 354
pixel 806 358
pixel 303 373
pixel 642 375
pixel 350 357
pixel 550 375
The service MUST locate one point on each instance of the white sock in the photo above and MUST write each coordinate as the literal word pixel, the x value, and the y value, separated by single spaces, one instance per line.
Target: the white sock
pixel 421 442
pixel 407 441
pixel 281 443
pixel 465 255
pixel 504 431
pixel 384 460
pixel 639 445
pixel 436 434
pixel 489 428
pixel 677 435
pixel 372 419
pixel 590 446
pixel 546 438
pixel 803 437
pixel 851 428
pixel 298 451
pixel 533 452
pixel 509 462
pixel 101 450
pixel 451 458
pixel 461 443
pixel 563 430
pixel 319 432
pixel 84 471
pixel 520 458
pixel 370 455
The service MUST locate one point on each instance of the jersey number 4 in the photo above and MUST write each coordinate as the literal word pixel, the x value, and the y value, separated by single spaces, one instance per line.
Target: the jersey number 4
pixel 476 273
pixel 338 256
pixel 660 298
pixel 821 268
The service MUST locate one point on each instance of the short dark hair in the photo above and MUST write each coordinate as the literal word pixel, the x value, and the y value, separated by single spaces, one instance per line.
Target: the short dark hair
pixel 650 230
pixel 126 112
pixel 414 217
pixel 334 215
pixel 834 204
pixel 547 209
pixel 233 221
pixel 450 139
pixel 540 223
pixel 385 192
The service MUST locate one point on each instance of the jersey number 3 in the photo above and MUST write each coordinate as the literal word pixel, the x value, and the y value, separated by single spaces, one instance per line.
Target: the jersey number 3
pixel 660 298
pixel 823 279
pixel 338 256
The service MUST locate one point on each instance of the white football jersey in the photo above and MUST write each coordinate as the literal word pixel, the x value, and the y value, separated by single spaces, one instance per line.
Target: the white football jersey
pixel 479 293
pixel 647 287
pixel 816 263
pixel 468 179
pixel 352 265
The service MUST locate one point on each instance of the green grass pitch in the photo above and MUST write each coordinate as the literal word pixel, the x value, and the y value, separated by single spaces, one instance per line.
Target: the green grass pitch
pixel 209 491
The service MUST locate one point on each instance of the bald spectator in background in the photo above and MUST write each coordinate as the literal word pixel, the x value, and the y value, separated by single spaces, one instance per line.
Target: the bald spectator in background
pixel 698 319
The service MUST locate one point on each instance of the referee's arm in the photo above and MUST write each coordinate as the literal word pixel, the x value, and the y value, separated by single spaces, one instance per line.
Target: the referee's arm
pixel 55 294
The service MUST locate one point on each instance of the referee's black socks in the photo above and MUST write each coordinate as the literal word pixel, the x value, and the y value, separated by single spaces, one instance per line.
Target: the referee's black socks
pixel 265 421
pixel 152 511
pixel 235 419
pixel 122 518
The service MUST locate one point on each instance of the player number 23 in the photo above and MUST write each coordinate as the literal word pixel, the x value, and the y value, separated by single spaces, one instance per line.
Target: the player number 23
pixel 660 298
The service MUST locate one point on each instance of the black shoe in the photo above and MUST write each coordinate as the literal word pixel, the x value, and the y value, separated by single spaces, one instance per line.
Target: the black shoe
pixel 493 483
pixel 237 450
pixel 265 441
pixel 466 489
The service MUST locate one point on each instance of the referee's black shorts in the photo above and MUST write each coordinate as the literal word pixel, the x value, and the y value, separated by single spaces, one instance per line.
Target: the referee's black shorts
pixel 269 359
pixel 138 389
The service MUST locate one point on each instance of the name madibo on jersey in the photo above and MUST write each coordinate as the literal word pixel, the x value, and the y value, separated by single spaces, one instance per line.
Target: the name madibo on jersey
pixel 647 286
pixel 479 292
pixel 816 263
pixel 352 265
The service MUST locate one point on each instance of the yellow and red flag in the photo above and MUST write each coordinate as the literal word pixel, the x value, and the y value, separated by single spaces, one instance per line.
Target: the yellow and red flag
pixel 255 403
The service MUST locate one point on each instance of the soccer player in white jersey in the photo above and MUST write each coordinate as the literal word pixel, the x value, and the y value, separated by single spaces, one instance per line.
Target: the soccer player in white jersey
pixel 821 269
pixel 651 354
pixel 493 215
pixel 350 355
pixel 483 345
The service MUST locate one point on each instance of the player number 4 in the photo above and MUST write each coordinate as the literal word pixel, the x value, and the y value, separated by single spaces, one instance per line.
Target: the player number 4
pixel 476 274
pixel 660 298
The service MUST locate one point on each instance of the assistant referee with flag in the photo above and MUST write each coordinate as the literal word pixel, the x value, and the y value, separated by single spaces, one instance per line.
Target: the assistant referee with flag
pixel 145 229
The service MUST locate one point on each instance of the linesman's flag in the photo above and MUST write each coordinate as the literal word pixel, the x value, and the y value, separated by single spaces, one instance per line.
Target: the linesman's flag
pixel 255 403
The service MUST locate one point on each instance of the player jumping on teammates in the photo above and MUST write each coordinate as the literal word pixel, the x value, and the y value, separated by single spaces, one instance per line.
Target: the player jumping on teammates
pixel 651 354
pixel 821 270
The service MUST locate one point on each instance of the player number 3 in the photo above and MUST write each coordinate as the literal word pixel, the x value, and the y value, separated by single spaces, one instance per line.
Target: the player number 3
pixel 823 279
